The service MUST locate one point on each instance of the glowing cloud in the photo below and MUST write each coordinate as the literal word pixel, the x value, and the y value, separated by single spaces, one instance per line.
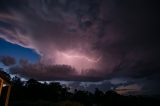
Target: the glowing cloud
pixel 88 35
pixel 78 60
pixel 72 56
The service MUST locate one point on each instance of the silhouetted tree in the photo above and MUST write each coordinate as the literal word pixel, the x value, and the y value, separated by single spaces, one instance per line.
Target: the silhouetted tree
pixel 34 93
pixel 32 83
pixel 5 74
pixel 17 81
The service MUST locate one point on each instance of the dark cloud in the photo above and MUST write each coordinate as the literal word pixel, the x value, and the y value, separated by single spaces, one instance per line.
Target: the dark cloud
pixel 7 60
pixel 63 27
pixel 43 72
pixel 129 89
pixel 91 86
pixel 137 67
pixel 104 38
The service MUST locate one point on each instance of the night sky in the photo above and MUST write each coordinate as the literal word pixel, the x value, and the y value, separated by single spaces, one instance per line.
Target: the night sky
pixel 87 44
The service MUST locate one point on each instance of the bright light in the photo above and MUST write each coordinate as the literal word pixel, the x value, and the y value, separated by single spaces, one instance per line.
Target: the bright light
pixel 77 60
pixel 71 56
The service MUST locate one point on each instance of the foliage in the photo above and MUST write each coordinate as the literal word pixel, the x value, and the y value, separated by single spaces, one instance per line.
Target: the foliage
pixel 34 93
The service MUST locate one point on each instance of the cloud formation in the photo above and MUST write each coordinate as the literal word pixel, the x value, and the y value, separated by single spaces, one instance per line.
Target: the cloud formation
pixel 132 89
pixel 7 60
pixel 103 38
pixel 61 32
pixel 44 72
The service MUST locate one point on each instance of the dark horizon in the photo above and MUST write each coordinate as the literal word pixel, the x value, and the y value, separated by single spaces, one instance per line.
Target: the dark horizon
pixel 34 93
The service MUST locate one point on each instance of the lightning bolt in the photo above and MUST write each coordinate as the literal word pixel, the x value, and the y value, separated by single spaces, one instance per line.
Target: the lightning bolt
pixel 80 57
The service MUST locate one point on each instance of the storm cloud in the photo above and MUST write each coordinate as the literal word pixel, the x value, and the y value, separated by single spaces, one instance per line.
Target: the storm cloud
pixel 90 39
pixel 43 72
pixel 7 60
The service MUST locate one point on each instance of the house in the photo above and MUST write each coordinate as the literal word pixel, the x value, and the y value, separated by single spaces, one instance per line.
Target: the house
pixel 5 81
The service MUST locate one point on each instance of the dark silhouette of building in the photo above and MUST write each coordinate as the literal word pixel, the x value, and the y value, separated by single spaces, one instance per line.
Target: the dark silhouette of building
pixel 4 80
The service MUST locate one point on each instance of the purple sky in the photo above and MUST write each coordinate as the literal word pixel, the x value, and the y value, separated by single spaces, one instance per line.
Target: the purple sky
pixel 84 41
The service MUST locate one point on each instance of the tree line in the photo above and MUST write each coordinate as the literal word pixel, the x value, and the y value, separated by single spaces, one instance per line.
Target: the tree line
pixel 35 93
